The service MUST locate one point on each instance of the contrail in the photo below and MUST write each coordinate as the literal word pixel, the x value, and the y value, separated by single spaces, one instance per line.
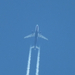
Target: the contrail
pixel 38 59
pixel 29 59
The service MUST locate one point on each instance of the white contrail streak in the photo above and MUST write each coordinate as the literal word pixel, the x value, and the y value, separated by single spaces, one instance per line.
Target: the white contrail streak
pixel 38 59
pixel 29 59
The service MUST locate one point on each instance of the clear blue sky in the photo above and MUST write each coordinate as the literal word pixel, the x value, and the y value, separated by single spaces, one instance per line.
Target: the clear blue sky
pixel 56 20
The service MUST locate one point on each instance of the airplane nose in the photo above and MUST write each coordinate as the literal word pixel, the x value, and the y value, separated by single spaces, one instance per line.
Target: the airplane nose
pixel 37 25
pixel 37 28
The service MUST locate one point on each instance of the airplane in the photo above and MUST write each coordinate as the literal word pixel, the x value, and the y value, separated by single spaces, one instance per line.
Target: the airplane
pixel 36 35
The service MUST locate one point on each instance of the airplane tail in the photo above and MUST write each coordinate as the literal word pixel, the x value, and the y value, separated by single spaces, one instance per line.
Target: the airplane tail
pixel 35 47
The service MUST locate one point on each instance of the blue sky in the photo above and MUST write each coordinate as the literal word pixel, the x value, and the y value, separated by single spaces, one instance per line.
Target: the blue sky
pixel 56 20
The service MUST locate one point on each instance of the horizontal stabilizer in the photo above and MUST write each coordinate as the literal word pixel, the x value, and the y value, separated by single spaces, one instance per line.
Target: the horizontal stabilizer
pixel 36 47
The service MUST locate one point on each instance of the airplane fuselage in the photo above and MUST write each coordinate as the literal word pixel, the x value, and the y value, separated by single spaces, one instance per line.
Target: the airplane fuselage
pixel 36 35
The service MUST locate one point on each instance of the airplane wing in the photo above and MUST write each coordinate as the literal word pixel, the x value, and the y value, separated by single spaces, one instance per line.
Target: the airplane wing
pixel 31 35
pixel 41 36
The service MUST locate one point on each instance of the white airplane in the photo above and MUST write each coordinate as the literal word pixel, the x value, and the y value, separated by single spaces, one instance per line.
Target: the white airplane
pixel 36 35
